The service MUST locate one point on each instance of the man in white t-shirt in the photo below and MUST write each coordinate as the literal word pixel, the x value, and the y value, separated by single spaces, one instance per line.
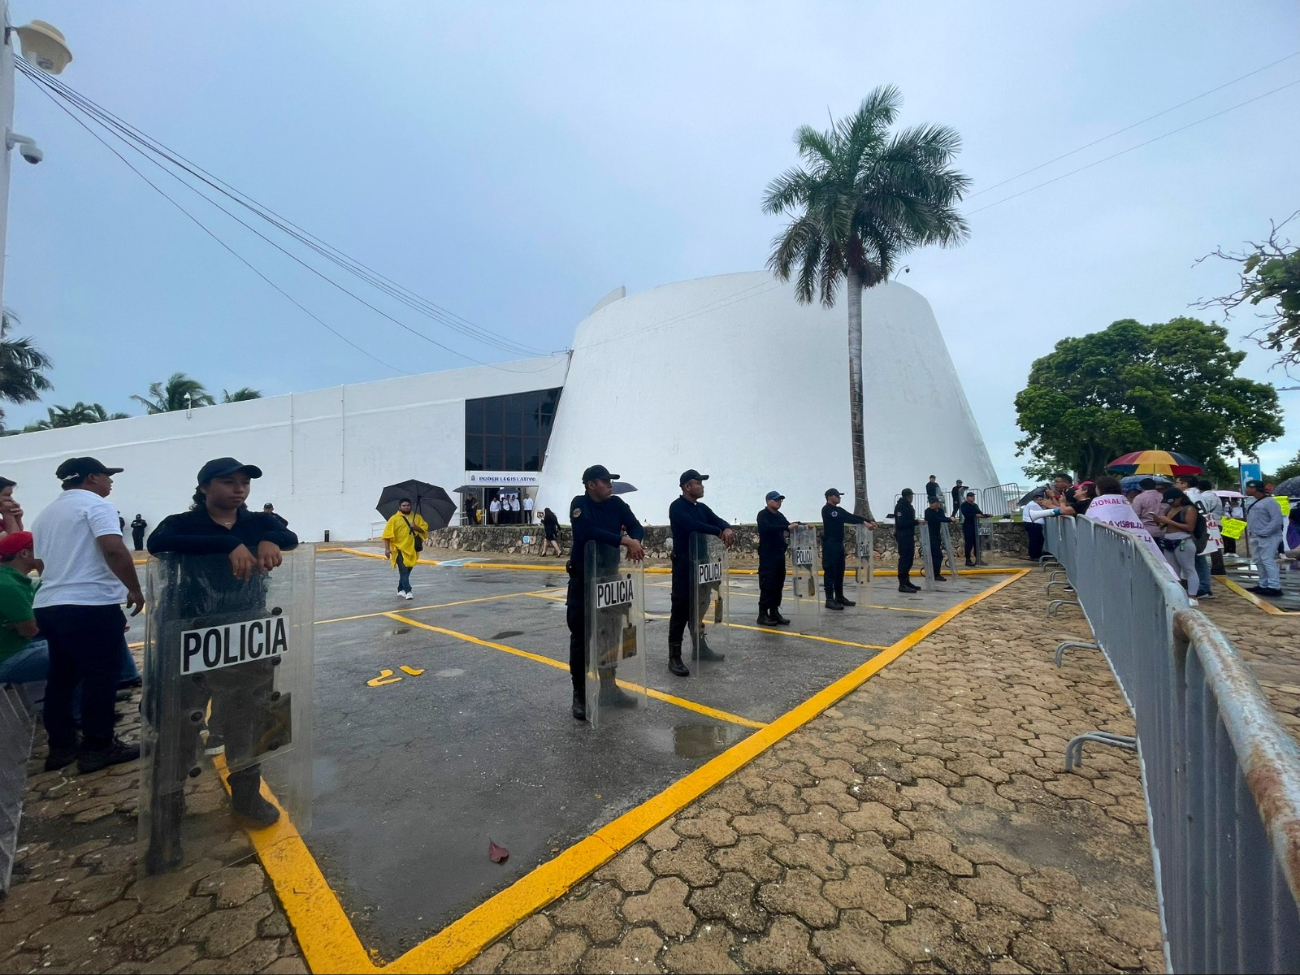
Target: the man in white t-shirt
pixel 88 574
pixel 494 509
pixel 528 509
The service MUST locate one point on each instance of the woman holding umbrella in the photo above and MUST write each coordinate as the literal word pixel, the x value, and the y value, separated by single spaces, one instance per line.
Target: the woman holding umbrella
pixel 404 536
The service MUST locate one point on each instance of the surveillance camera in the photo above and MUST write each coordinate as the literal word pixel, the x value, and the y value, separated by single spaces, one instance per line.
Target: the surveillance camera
pixel 26 146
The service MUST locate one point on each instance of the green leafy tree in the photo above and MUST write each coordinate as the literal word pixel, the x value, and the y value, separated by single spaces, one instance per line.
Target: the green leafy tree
pixel 1168 386
pixel 22 366
pixel 242 395
pixel 72 416
pixel 1270 277
pixel 1288 470
pixel 863 198
pixel 179 392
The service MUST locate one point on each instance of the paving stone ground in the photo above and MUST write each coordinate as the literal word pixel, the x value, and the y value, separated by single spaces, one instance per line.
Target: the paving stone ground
pixel 1269 643
pixel 925 824
pixel 75 903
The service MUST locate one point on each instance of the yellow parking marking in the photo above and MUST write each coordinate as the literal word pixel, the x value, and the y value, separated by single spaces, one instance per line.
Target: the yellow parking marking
pixel 558 665
pixel 807 636
pixel 420 609
pixel 328 940
pixel 1263 604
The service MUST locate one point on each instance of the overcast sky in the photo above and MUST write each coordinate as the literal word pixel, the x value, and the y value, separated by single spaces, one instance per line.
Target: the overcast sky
pixel 513 162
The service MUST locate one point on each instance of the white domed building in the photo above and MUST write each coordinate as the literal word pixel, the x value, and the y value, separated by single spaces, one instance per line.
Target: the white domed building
pixel 728 374
pixel 732 376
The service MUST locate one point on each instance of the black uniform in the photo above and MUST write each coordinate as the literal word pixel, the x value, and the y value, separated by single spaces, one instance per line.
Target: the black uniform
pixel 247 713
pixel 592 521
pixel 772 543
pixel 970 521
pixel 958 492
pixel 687 517
pixel 934 521
pixel 931 491
pixel 833 519
pixel 137 532
pixel 905 535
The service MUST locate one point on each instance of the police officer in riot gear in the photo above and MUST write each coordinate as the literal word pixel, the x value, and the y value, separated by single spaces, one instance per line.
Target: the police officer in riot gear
pixel 905 534
pixel 596 516
pixel 773 539
pixel 689 515
pixel 833 520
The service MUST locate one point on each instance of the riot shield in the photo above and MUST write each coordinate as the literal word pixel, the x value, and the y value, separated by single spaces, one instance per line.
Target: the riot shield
pixel 927 558
pixel 615 632
pixel 709 606
pixel 226 734
pixel 864 568
pixel 803 570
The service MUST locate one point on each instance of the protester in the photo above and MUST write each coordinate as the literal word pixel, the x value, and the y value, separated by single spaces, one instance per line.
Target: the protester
pixel 1293 535
pixel 11 513
pixel 1179 541
pixel 23 658
pixel 1265 527
pixel 1031 515
pixel 404 536
pixel 551 525
pixel 1205 501
pixel 1110 507
pixel 1061 487
pixel 1084 492
pixel 1149 503
pixel 1212 505
pixel 88 573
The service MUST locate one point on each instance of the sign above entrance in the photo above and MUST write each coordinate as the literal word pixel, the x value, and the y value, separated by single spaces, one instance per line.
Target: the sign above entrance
pixel 501 478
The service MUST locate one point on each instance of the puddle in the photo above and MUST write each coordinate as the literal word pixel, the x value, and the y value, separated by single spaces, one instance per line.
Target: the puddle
pixel 698 740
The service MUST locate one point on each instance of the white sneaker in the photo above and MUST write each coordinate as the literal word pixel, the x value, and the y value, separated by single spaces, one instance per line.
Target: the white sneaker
pixel 1193 602
pixel 407 595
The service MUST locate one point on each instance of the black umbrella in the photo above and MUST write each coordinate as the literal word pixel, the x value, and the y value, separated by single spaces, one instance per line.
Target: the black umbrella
pixel 623 487
pixel 429 501
pixel 1288 488
pixel 1035 493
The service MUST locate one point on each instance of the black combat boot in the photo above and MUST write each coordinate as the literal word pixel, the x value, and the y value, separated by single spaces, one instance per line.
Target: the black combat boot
pixel 675 664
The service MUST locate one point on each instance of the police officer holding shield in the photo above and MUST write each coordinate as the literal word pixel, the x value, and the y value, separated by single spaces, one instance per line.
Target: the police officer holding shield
pixel 689 515
pixel 773 540
pixel 905 534
pixel 833 520
pixel 596 516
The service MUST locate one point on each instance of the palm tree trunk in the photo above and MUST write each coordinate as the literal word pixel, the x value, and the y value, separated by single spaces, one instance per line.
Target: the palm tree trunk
pixel 861 505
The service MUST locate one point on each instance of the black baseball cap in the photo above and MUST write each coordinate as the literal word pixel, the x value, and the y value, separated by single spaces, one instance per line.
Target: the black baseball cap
pixel 906 491
pixel 1257 485
pixel 970 494
pixel 75 467
pixel 598 472
pixel 774 496
pixel 691 475
pixel 834 491
pixel 224 466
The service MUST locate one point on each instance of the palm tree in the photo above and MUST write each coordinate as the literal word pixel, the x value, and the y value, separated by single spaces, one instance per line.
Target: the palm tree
pixel 22 379
pixel 241 395
pixel 863 199
pixel 180 392
pixel 72 416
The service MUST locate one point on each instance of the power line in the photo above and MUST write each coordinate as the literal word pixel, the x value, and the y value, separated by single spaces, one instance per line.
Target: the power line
pixel 146 146
pixel 1126 128
pixel 163 193
pixel 1116 155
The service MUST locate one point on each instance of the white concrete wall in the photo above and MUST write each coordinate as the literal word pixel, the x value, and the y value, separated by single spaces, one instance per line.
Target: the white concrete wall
pixel 730 375
pixel 326 454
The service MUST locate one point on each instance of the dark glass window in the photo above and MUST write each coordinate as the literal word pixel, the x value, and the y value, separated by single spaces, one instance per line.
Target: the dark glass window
pixel 509 433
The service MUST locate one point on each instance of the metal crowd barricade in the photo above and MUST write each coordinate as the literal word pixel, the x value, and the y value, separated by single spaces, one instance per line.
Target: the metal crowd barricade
pixel 1000 500
pixel 16 729
pixel 1220 774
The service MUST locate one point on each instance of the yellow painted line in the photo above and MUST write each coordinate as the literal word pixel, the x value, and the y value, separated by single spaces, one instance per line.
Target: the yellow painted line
pixel 420 609
pixel 558 665
pixel 1263 604
pixel 135 646
pixel 806 636
pixel 326 936
pixel 554 599
pixel 463 939
pixel 380 555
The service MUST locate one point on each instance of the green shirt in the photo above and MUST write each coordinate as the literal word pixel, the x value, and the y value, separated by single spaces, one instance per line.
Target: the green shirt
pixel 16 593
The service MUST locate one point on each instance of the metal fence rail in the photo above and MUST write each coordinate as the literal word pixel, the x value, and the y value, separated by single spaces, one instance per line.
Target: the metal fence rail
pixel 16 728
pixel 1221 775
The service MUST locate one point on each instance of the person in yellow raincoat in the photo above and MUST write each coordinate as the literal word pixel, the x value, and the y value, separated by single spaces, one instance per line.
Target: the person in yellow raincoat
pixel 404 536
